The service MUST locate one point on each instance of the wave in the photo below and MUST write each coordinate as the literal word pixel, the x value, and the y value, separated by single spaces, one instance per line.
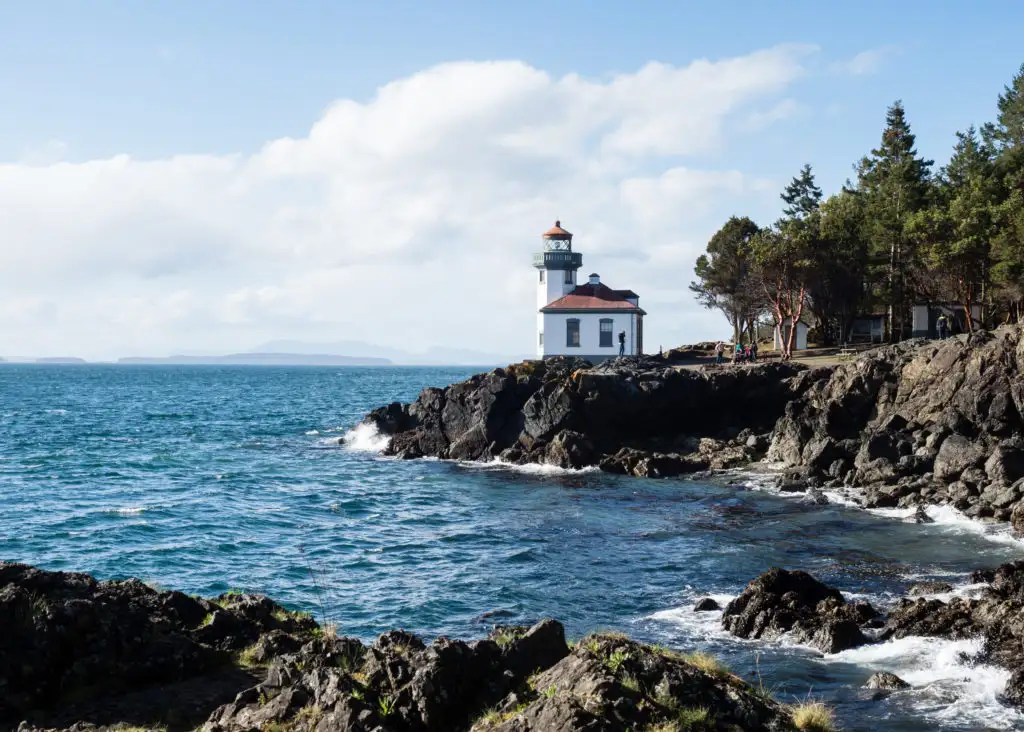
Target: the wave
pixel 941 515
pixel 365 437
pixel 527 468
pixel 129 511
pixel 946 686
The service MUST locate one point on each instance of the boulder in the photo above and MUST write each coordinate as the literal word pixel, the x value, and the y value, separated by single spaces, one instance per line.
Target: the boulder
pixel 887 681
pixel 780 601
pixel 706 604
pixel 919 589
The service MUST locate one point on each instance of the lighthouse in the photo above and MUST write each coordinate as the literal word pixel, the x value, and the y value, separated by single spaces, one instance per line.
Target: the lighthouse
pixel 590 320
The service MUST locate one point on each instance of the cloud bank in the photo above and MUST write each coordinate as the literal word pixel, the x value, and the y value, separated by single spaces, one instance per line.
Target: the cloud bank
pixel 407 220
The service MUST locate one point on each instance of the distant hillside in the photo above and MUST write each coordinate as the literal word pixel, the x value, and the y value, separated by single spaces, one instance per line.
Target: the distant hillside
pixel 433 356
pixel 61 359
pixel 261 359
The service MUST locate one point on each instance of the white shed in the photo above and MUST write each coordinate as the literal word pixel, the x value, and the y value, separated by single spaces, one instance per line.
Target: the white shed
pixel 799 342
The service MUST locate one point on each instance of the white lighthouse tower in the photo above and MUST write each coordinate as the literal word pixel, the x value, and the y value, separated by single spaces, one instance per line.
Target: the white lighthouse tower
pixel 556 265
pixel 589 320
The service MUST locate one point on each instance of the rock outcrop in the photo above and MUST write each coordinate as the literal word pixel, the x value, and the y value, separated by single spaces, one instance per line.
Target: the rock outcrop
pixel 67 637
pixel 921 422
pixel 641 416
pixel 779 602
pixel 88 656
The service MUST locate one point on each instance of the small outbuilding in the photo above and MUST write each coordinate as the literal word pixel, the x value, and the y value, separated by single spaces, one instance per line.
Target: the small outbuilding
pixel 799 340
pixel 926 317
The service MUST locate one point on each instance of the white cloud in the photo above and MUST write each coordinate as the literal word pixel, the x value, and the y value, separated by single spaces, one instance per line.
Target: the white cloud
pixel 865 62
pixel 408 220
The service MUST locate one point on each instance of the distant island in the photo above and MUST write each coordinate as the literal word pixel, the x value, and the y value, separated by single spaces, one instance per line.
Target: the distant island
pixel 261 359
pixel 60 359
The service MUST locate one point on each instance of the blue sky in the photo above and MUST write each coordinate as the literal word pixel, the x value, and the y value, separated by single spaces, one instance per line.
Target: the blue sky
pixel 87 81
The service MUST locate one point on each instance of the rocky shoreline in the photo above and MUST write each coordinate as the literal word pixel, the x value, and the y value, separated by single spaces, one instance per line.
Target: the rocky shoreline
pixel 77 654
pixel 915 424
pixel 81 655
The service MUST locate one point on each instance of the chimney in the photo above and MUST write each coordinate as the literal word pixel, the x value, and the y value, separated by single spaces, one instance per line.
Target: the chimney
pixel 595 279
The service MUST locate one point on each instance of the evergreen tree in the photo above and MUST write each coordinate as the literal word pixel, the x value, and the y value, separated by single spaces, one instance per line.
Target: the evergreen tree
pixel 1007 137
pixel 802 196
pixel 836 285
pixel 727 280
pixel 953 234
pixel 894 181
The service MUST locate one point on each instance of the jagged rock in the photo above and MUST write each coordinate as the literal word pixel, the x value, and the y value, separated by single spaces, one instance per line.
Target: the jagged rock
pixel 887 681
pixel 780 601
pixel 928 588
pixel 64 631
pixel 706 604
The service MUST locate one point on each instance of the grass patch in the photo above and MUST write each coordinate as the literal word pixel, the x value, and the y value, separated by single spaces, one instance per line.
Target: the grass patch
pixel 505 637
pixel 615 660
pixel 246 658
pixel 206 620
pixel 386 706
pixel 706 663
pixel 629 681
pixel 813 716
pixel 693 718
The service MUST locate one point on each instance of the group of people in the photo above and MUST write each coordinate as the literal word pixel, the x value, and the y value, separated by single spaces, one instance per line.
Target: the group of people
pixel 740 355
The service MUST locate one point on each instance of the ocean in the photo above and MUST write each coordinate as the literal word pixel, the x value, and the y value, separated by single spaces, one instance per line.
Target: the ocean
pixel 210 478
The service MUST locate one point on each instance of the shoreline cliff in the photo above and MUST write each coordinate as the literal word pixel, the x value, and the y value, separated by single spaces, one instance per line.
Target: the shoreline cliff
pixel 913 424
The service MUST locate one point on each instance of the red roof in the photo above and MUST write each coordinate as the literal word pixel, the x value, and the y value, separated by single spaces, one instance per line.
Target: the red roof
pixel 557 232
pixel 592 297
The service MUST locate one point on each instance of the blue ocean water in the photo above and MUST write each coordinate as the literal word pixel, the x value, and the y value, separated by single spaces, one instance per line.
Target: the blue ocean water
pixel 205 479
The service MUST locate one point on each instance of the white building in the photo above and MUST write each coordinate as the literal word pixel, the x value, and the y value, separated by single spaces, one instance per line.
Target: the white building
pixel 782 335
pixel 589 320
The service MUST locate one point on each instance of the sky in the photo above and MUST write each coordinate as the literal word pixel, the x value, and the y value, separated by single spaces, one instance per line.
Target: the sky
pixel 202 177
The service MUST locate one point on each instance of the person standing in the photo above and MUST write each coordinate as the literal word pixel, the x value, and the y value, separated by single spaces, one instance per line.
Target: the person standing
pixel 622 343
pixel 753 351
pixel 719 352
pixel 943 325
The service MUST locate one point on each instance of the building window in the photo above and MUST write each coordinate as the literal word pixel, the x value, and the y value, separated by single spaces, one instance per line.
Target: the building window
pixel 540 338
pixel 572 333
pixel 568 276
pixel 606 332
pixel 542 277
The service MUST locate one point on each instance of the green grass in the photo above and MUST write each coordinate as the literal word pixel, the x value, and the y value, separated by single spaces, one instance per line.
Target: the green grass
pixel 615 660
pixel 247 658
pixel 693 718
pixel 813 716
pixel 706 663
pixel 386 706
pixel 207 620
pixel 504 638
pixel 630 682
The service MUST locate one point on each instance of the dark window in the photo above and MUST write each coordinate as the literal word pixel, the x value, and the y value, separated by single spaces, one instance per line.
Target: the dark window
pixel 568 276
pixel 606 332
pixel 572 333
pixel 542 277
pixel 541 339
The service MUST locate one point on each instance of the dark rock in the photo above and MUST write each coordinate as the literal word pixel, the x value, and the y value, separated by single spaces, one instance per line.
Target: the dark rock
pixel 928 588
pixel 706 604
pixel 886 680
pixel 780 601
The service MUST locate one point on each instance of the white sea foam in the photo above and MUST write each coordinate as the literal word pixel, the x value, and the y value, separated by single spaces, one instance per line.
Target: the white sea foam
pixel 528 468
pixel 365 437
pixel 130 511
pixel 703 624
pixel 313 432
pixel 946 686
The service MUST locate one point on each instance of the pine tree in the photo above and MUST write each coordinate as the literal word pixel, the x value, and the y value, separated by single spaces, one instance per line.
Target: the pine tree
pixel 895 183
pixel 802 196
pixel 954 233
pixel 836 286
pixel 1007 137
